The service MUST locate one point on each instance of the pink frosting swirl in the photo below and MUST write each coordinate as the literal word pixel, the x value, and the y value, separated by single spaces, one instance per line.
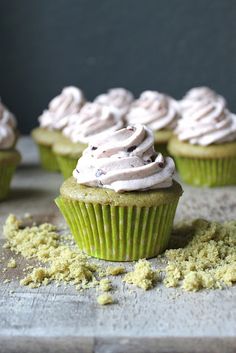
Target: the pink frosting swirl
pixel 94 121
pixel 118 99
pixel 125 161
pixel 155 110
pixel 68 102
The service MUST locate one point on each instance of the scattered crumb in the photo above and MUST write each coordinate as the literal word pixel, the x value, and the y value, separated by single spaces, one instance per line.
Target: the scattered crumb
pixel 105 299
pixel 105 285
pixel 12 263
pixel 115 270
pixel 6 281
pixel 143 276
pixel 207 261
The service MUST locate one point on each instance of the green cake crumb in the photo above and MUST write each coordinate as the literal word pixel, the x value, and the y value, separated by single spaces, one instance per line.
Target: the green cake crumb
pixel 105 299
pixel 143 276
pixel 115 270
pixel 105 285
pixel 11 263
pixel 207 261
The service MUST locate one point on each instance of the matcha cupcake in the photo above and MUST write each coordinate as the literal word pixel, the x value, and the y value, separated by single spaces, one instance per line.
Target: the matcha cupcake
pixel 94 121
pixel 118 99
pixel 9 158
pixel 205 146
pixel 159 112
pixel 52 121
pixel 8 118
pixel 121 201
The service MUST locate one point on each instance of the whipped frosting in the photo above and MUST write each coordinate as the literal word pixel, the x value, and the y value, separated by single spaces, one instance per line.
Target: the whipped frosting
pixel 6 117
pixel 7 136
pixel 156 110
pixel 125 161
pixel 94 121
pixel 206 122
pixel 119 99
pixel 199 94
pixel 68 102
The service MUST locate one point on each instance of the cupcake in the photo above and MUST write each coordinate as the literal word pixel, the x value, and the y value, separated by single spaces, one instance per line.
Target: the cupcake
pixel 158 112
pixel 53 120
pixel 94 121
pixel 9 158
pixel 118 99
pixel 121 200
pixel 205 146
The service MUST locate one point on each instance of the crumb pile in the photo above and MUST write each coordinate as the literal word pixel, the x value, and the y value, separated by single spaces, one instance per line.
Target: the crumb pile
pixel 143 276
pixel 207 261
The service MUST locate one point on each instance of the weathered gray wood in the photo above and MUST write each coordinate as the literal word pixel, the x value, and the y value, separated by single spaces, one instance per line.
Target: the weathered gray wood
pixel 51 319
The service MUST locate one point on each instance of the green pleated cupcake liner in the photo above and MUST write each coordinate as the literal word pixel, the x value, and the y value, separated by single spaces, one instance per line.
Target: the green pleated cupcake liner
pixel 6 174
pixel 207 172
pixel 119 233
pixel 162 148
pixel 66 165
pixel 48 158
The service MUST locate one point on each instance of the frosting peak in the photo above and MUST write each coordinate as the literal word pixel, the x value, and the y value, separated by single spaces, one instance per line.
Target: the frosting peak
pixel 6 117
pixel 125 161
pixel 7 136
pixel 93 121
pixel 68 102
pixel 119 99
pixel 154 109
pixel 206 122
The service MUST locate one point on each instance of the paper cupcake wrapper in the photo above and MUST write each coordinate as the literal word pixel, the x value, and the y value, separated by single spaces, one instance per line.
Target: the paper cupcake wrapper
pixel 48 158
pixel 6 174
pixel 119 233
pixel 66 165
pixel 207 172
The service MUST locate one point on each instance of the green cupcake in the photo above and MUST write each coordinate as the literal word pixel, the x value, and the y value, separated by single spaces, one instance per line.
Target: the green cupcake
pixel 157 111
pixel 52 121
pixel 9 158
pixel 94 121
pixel 205 149
pixel 121 201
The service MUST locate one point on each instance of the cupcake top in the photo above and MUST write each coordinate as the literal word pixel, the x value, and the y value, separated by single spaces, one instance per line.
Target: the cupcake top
pixel 119 99
pixel 7 136
pixel 68 102
pixel 199 94
pixel 207 122
pixel 6 116
pixel 94 121
pixel 156 110
pixel 125 161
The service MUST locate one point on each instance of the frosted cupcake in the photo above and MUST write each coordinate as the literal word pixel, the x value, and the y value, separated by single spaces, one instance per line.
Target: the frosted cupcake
pixel 9 158
pixel 118 99
pixel 205 146
pixel 158 112
pixel 53 120
pixel 94 121
pixel 121 201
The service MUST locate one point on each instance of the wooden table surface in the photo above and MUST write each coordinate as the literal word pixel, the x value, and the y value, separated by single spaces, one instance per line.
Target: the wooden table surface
pixel 58 319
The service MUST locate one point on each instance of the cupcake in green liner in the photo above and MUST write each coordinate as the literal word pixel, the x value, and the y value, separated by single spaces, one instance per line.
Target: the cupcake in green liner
pixel 121 201
pixel 205 146
pixel 53 120
pixel 9 158
pixel 94 121
pixel 157 111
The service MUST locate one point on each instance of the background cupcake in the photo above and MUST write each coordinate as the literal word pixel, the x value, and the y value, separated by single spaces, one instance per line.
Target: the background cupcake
pixel 121 201
pixel 118 99
pixel 53 120
pixel 157 111
pixel 94 121
pixel 9 158
pixel 205 147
